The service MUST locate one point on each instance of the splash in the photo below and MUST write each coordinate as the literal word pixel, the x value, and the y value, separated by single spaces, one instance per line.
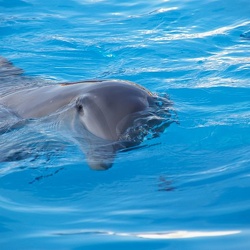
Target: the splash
pixel 150 123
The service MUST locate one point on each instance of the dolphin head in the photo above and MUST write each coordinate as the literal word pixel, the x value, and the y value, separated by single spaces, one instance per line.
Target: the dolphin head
pixel 107 111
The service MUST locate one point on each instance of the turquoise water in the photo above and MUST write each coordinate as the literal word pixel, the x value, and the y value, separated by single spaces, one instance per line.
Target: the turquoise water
pixel 189 189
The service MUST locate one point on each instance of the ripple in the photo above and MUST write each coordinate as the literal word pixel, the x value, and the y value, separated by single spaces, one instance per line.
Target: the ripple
pixel 11 205
pixel 145 235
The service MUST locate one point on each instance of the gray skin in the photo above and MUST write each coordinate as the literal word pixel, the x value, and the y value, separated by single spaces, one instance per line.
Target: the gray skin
pixel 97 112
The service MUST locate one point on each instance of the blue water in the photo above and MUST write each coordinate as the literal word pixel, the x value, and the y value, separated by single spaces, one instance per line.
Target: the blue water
pixel 190 188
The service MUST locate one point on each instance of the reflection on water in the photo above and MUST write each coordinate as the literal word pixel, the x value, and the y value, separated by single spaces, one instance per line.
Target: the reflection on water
pixel 144 235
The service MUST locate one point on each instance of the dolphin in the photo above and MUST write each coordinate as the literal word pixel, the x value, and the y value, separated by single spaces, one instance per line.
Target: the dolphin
pixel 104 116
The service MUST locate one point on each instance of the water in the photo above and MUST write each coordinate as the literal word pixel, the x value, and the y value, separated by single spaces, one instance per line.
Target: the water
pixel 189 189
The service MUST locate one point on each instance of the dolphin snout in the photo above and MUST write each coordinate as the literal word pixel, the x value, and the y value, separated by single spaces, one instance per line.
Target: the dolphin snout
pixel 100 157
pixel 100 166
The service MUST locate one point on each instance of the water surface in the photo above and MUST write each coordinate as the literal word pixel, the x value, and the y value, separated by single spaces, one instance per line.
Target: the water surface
pixel 188 189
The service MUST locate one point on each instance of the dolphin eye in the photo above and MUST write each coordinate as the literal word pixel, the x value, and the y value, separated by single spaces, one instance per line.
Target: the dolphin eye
pixel 79 108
